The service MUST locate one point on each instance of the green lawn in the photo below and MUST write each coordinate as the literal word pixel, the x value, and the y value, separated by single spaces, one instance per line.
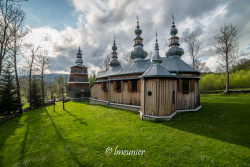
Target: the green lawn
pixel 217 135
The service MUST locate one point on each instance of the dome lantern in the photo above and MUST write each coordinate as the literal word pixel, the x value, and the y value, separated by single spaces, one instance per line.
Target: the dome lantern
pixel 114 59
pixel 174 49
pixel 138 52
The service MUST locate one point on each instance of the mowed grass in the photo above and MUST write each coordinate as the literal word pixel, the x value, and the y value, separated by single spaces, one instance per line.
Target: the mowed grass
pixel 217 135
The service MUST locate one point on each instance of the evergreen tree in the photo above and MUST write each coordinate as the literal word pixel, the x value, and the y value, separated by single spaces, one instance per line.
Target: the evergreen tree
pixel 9 101
pixel 35 95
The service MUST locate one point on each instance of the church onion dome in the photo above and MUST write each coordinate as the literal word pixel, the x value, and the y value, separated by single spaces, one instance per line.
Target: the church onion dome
pixel 138 52
pixel 79 60
pixel 114 59
pixel 156 58
pixel 138 31
pixel 174 50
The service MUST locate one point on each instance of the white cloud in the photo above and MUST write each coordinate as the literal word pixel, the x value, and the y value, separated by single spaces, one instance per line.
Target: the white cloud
pixel 98 21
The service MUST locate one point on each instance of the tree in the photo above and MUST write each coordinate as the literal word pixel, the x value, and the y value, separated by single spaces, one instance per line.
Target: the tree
pixel 30 58
pixel 35 95
pixel 106 61
pixel 10 12
pixel 61 82
pixel 125 58
pixel 18 34
pixel 227 46
pixel 193 47
pixel 9 100
pixel 43 65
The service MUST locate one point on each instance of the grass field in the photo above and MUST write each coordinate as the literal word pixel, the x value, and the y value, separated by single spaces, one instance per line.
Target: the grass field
pixel 217 135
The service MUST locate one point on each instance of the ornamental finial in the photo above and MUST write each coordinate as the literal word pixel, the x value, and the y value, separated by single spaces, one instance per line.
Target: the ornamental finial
pixel 156 42
pixel 137 18
pixel 173 19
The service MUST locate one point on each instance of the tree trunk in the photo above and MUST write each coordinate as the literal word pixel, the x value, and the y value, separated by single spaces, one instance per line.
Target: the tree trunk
pixel 0 66
pixel 16 76
pixel 227 82
pixel 30 74
pixel 227 75
pixel 42 85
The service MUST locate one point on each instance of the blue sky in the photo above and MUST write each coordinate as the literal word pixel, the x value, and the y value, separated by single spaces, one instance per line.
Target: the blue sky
pixel 60 26
pixel 53 13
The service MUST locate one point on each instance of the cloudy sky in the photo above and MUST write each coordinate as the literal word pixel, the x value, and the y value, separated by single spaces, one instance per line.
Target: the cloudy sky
pixel 60 26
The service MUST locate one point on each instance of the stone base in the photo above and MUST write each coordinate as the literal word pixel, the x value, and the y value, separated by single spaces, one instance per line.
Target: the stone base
pixel 166 118
pixel 79 99
pixel 138 110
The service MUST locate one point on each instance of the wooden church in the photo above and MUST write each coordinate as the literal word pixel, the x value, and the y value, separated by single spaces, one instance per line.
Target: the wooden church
pixel 158 88
pixel 78 85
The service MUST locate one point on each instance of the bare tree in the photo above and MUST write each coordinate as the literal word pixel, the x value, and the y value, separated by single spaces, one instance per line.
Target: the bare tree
pixel 43 65
pixel 106 61
pixel 10 14
pixel 16 44
pixel 193 47
pixel 227 46
pixel 30 58
pixel 125 58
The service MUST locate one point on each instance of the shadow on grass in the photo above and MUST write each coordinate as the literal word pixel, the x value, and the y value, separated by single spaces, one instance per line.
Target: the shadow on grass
pixel 33 123
pixel 228 122
pixel 76 118
pixel 64 142
pixel 24 145
pixel 54 110
pixel 7 129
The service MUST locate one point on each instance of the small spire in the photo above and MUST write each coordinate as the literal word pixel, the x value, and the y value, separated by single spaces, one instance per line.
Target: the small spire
pixel 79 60
pixel 114 61
pixel 114 41
pixel 156 42
pixel 156 58
pixel 137 18
pixel 114 48
pixel 173 19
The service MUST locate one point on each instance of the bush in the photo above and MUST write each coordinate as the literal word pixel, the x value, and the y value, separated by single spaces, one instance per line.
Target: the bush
pixel 211 82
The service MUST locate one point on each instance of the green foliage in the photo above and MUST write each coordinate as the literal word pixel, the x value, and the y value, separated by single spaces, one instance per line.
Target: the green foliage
pixel 243 65
pixel 239 79
pixel 218 135
pixel 91 80
pixel 35 95
pixel 8 93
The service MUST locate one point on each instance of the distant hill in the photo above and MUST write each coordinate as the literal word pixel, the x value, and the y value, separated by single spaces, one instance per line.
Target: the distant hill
pixel 49 78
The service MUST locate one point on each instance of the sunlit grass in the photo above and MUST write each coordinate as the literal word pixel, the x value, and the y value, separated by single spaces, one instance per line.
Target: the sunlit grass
pixel 218 135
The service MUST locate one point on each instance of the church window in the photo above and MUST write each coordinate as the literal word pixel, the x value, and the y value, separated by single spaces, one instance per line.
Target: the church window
pixel 185 86
pixel 105 86
pixel 133 85
pixel 118 86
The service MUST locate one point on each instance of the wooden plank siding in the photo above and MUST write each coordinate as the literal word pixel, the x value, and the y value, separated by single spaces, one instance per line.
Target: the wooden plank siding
pixel 166 98
pixel 189 100
pixel 125 96
pixel 161 102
